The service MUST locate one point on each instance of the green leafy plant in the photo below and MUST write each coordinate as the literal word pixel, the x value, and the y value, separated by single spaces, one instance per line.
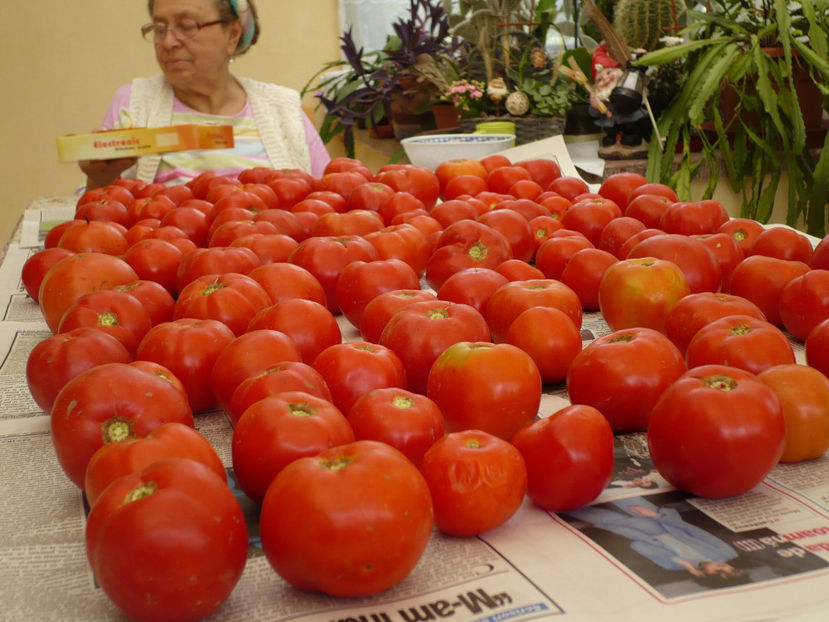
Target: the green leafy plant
pixel 728 53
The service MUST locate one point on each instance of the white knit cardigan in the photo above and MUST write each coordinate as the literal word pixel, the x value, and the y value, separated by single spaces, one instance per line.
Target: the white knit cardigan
pixel 277 112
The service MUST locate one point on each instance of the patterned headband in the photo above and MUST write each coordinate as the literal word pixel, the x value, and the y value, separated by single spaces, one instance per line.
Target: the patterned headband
pixel 245 15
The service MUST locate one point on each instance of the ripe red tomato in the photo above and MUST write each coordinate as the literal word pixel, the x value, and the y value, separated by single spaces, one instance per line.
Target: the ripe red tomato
pixel 110 402
pixel 449 169
pixel 248 354
pixel 156 300
pixel 693 217
pixel 283 281
pixel 695 259
pixel 783 243
pixel 354 368
pixel 648 209
pixel 553 253
pixel 419 332
pixel 57 359
pixel 542 170
pixel 484 386
pixel 619 186
pixel 740 341
pixel 652 188
pixel 36 267
pixel 761 279
pixel 727 253
pixel 369 196
pixel 716 432
pixel 276 430
pixel 409 422
pixel 364 496
pixel 550 337
pixel 188 347
pixel 156 260
pixel 590 217
pixel 696 311
pixel 95 236
pixel 584 272
pixel 804 396
pixel 622 375
pixel 169 440
pixel 188 573
pixel 380 309
pixel 617 232
pixel 325 257
pixel 743 230
pixel 227 232
pixel 568 187
pixel 517 270
pixel 310 325
pixel 512 298
pixel 283 377
pixel 472 286
pixel 502 178
pixel 641 292
pixel 804 302
pixel 215 260
pixel 113 312
pixel 79 274
pixel 569 457
pixel 820 255
pixel 817 348
pixel 477 481
pixel 634 239
pixel 419 181
pixel 515 228
pixel 402 241
pixel 360 281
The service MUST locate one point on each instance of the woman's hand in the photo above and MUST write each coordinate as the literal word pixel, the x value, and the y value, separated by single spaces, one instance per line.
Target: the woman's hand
pixel 101 173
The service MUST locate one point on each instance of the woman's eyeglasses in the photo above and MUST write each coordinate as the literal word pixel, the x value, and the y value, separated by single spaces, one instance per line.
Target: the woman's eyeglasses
pixel 183 30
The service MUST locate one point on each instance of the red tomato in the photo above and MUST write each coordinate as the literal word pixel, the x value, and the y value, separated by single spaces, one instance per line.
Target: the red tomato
pixel 584 272
pixel 471 286
pixel 419 332
pixel 464 185
pixel 188 573
pixel 360 281
pixel 283 280
pixel 354 222
pixel 36 267
pixel 407 421
pixel 456 167
pixel 110 402
pixel 542 170
pixel 817 348
pixel 419 181
pixel 740 341
pixel 133 455
pixel 590 216
pixel 275 431
pixel 761 280
pixel 543 227
pixel 693 217
pixel 280 378
pixel 156 260
pixel 57 359
pixel 229 231
pixel 622 374
pixel 285 222
pixel 345 164
pixel 637 237
pixel 79 274
pixel 453 210
pixel 617 232
pixel 269 247
pixel 248 354
pixel 380 309
pixel 342 182
pixel 783 243
pixel 695 259
pixel 517 270
pixel 188 348
pixel 355 368
pixel 804 396
pixel 477 481
pixel 509 300
pixel 95 236
pixel 403 241
pixel 820 255
pixel 568 187
pixel 569 457
pixel 619 186
pixel 363 495
pixel 494 161
pixel 648 209
pixel 232 298
pixel 515 228
pixel 214 260
pixel 554 253
pixel 369 196
pixel 310 325
pixel 484 386
pixel 653 189
pixel 502 178
pixel 804 302
pixel 400 205
pixel 743 230
pixel 525 189
pixel 155 299
pixel 550 337
pixel 727 253
pixel 696 311
pixel 466 244
pixel 325 257
pixel 716 432
pixel 527 208
pixel 641 292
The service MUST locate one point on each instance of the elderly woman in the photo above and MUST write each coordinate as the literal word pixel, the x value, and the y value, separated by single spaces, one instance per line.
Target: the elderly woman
pixel 195 42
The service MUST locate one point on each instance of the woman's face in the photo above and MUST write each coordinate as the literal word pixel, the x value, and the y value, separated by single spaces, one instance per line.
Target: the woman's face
pixel 202 58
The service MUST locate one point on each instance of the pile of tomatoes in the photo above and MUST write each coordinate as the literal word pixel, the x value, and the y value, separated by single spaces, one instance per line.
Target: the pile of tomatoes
pixel 468 287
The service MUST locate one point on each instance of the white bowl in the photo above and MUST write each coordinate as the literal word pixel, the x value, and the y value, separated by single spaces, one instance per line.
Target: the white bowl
pixel 430 150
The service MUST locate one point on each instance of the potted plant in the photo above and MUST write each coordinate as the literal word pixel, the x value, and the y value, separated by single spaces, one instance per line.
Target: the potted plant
pixel 751 53
pixel 367 88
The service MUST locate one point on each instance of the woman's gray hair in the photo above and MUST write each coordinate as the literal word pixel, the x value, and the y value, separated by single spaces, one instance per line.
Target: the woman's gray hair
pixel 227 14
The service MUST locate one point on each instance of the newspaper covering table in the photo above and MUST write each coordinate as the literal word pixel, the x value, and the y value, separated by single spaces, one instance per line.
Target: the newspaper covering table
pixel 596 564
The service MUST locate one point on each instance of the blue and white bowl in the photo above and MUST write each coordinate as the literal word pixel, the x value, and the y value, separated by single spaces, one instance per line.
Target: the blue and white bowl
pixel 430 150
